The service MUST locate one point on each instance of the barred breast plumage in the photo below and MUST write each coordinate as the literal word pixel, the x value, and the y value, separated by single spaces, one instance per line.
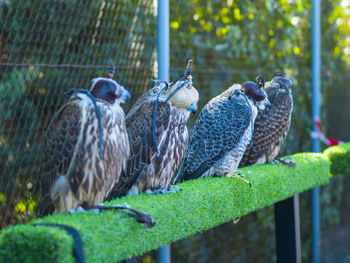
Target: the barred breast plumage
pixel 272 124
pixel 222 133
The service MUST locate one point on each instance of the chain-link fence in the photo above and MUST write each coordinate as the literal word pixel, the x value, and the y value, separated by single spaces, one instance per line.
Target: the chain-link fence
pixel 48 47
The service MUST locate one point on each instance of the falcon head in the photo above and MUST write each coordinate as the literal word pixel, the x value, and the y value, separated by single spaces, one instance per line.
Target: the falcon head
pixel 186 97
pixel 108 90
pixel 284 83
pixel 256 93
pixel 181 93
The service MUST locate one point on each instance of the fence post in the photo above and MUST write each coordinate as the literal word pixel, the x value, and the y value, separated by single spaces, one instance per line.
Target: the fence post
pixel 316 93
pixel 287 227
pixel 163 74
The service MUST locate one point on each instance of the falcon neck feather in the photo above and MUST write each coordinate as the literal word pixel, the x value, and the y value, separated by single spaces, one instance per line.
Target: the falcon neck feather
pixel 98 114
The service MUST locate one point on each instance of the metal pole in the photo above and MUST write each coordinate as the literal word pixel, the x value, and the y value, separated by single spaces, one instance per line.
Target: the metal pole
pixel 316 73
pixel 163 74
pixel 163 39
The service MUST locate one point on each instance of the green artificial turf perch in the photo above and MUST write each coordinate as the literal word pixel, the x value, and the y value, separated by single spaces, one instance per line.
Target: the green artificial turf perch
pixel 339 157
pixel 203 204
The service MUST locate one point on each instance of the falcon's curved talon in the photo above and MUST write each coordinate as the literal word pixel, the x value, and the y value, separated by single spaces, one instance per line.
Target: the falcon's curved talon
pixel 239 176
pixel 161 191
pixel 174 189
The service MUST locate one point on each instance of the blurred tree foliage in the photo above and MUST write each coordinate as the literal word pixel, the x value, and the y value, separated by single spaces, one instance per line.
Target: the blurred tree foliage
pixel 233 41
pixel 241 39
pixel 35 37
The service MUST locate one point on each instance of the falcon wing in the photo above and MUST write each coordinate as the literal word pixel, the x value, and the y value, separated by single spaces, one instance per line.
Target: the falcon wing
pixel 270 128
pixel 218 130
pixel 139 125
pixel 60 142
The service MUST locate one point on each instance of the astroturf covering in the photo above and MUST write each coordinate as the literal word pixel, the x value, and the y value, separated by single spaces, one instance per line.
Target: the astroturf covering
pixel 339 157
pixel 203 204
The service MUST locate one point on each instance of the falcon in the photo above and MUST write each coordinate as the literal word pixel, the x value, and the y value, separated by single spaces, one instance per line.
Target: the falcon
pixel 158 136
pixel 86 147
pixel 222 132
pixel 272 124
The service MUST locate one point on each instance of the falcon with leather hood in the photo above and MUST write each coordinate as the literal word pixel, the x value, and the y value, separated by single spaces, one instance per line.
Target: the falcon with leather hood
pixel 272 124
pixel 158 136
pixel 86 147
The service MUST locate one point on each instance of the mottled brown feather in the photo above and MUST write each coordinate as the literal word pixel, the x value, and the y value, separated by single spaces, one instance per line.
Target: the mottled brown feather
pixel 71 169
pixel 60 140
pixel 271 126
pixel 147 170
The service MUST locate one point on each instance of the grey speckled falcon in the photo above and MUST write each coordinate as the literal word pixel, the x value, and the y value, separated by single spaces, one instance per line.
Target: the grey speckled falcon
pixel 76 169
pixel 222 132
pixel 272 124
pixel 157 144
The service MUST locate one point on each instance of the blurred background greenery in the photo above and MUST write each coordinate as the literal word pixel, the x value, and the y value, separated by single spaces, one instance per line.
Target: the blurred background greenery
pixel 48 47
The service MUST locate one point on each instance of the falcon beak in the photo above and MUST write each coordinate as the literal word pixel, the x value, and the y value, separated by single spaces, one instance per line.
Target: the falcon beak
pixel 125 95
pixel 193 108
pixel 267 103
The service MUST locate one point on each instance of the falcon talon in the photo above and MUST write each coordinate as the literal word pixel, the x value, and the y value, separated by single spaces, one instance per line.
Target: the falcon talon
pixel 240 173
pixel 175 188
pixel 239 176
pixel 174 191
pixel 164 192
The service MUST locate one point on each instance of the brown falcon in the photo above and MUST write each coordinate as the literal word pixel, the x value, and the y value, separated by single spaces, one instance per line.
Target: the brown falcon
pixel 272 124
pixel 79 166
pixel 222 132
pixel 155 156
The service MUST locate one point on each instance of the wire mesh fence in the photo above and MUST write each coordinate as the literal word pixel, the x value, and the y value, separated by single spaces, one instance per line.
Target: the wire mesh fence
pixel 49 47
